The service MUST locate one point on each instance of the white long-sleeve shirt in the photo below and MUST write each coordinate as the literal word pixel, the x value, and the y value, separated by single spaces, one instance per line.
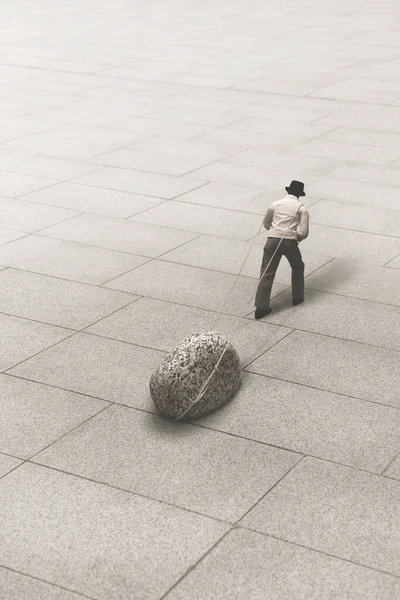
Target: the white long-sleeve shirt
pixel 279 215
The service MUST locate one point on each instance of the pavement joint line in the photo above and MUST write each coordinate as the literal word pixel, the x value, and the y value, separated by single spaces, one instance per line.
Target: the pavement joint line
pixel 76 181
pixel 23 198
pixel 38 234
pixel 300 459
pixel 5 372
pixel 107 283
pixel 335 556
pixel 105 337
pixel 270 347
pixel 190 423
pixel 180 246
pixel 79 281
pixel 335 337
pixel 130 217
pixel 127 491
pixel 292 451
pixel 48 582
pixel 81 424
pixel 351 144
pixel 313 387
pixel 390 464
pixel 385 235
pixel 93 285
pixel 23 318
pixel 195 564
pixel 389 261
pixel 39 231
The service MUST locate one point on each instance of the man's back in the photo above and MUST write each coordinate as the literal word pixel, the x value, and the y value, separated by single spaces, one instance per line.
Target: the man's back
pixel 280 222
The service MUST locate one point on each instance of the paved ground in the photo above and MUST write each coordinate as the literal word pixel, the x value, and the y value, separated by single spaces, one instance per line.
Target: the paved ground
pixel 140 145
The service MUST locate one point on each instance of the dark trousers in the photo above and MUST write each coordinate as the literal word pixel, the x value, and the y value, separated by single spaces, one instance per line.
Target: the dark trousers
pixel 289 249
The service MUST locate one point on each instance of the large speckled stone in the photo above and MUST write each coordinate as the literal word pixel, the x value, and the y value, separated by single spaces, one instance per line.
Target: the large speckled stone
pixel 182 374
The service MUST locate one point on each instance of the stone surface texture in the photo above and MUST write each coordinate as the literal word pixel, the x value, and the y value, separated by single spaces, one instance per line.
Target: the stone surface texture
pixel 140 146
pixel 197 377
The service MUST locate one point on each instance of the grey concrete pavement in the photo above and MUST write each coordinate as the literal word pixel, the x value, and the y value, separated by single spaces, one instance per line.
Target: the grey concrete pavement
pixel 140 145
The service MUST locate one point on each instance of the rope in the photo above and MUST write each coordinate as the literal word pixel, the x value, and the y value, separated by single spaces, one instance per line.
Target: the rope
pixel 204 387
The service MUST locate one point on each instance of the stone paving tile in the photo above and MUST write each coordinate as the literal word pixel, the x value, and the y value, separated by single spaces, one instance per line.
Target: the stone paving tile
pixel 363 507
pixel 356 217
pixel 245 564
pixel 149 127
pixel 136 182
pixel 47 144
pixel 225 255
pixel 243 175
pixel 158 460
pixel 339 316
pixel 123 236
pixel 361 90
pixel 13 185
pixel 377 139
pixel 67 260
pixel 202 219
pixel 128 158
pixel 75 114
pixel 357 280
pixel 122 545
pixel 171 323
pixel 55 301
pixel 21 338
pixel 372 70
pixel 322 105
pixel 356 193
pixel 98 367
pixel 364 122
pixel 395 263
pixel 118 108
pixel 221 195
pixel 299 166
pixel 29 217
pixel 40 166
pixel 35 415
pixel 92 134
pixel 366 113
pixel 281 113
pixel 283 127
pixel 348 245
pixel 8 235
pixel 196 148
pixel 375 175
pixel 109 203
pixel 12 127
pixel 243 140
pixel 16 585
pixel 196 117
pixel 335 365
pixel 7 464
pixel 394 469
pixel 182 95
pixel 322 424
pixel 348 152
pixel 192 286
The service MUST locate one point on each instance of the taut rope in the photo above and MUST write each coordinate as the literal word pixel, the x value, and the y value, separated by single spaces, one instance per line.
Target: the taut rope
pixel 209 378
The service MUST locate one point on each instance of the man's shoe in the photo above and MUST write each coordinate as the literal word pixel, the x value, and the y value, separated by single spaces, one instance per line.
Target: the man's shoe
pixel 260 312
pixel 296 302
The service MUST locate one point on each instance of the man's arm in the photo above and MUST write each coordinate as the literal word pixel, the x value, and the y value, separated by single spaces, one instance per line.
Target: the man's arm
pixel 268 218
pixel 303 227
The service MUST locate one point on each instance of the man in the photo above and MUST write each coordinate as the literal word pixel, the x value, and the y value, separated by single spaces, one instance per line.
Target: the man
pixel 287 224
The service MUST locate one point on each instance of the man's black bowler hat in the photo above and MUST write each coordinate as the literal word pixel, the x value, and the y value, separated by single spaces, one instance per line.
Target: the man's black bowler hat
pixel 296 188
